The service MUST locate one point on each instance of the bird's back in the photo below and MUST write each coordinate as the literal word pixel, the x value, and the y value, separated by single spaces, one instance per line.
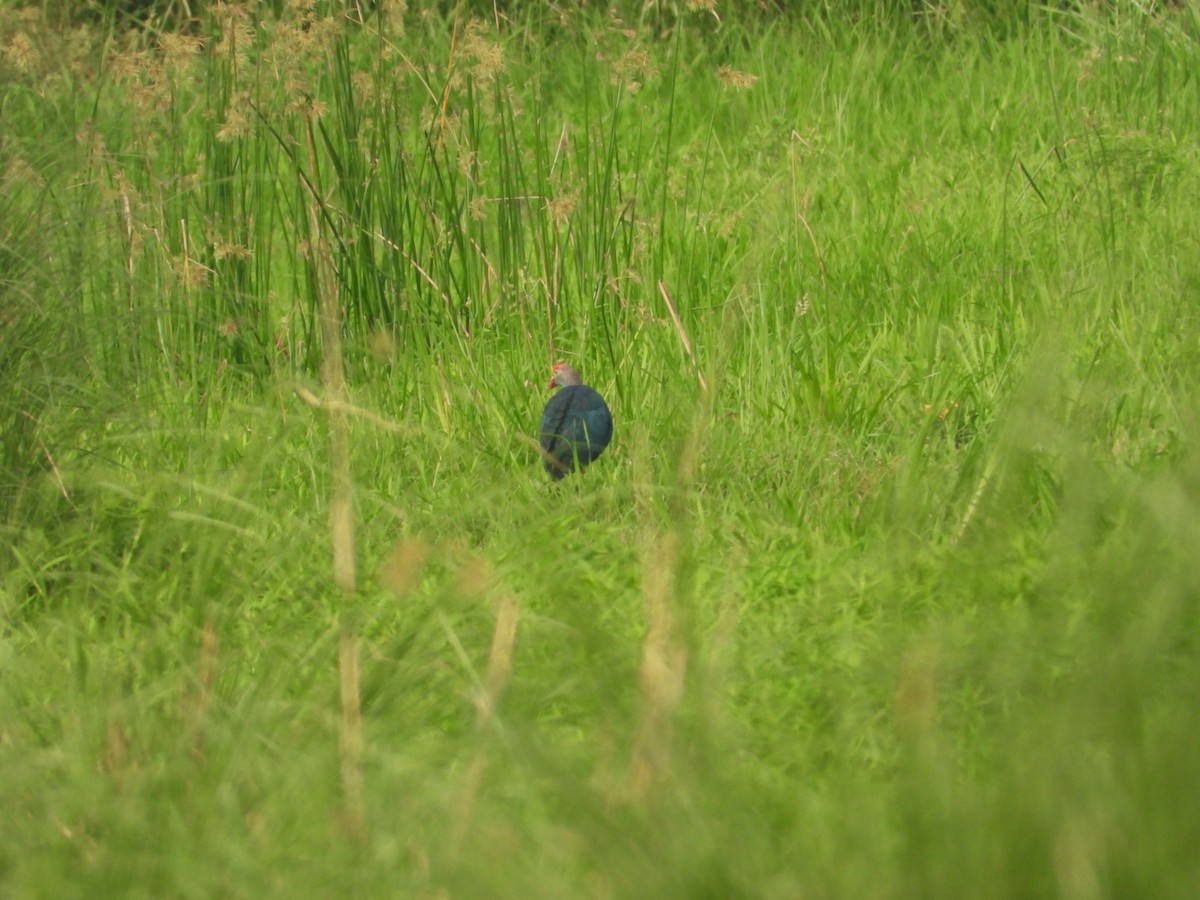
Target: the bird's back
pixel 576 425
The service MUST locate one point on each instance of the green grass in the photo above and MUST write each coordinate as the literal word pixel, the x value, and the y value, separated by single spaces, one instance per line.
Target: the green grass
pixel 901 603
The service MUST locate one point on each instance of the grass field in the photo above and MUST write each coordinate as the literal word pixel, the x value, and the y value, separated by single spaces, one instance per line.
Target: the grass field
pixel 886 588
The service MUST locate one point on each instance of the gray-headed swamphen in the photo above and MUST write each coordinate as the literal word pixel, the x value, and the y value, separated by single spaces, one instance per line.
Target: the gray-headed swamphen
pixel 576 424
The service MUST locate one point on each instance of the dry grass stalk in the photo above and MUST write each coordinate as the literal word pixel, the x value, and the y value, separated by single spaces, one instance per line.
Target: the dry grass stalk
pixel 504 635
pixel 341 520
pixel 349 409
pixel 683 337
pixel 799 206
pixel 209 643
pixel 57 475
pixel 664 665
pixel 350 739
pixel 341 508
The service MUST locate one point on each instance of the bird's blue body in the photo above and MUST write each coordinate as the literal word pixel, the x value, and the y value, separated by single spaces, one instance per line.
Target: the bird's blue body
pixel 576 427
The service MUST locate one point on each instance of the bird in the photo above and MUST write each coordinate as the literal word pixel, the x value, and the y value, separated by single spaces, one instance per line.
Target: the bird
pixel 576 424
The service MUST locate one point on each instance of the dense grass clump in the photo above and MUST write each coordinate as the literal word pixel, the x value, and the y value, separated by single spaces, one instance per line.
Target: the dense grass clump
pixel 884 587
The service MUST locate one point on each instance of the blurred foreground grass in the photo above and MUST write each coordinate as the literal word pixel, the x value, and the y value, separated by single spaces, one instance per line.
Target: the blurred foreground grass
pixel 885 588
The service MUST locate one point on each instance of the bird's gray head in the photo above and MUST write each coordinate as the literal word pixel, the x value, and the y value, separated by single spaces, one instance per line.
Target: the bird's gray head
pixel 564 375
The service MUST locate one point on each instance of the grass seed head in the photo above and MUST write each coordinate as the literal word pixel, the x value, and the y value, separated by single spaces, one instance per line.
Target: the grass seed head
pixel 739 81
pixel 487 53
